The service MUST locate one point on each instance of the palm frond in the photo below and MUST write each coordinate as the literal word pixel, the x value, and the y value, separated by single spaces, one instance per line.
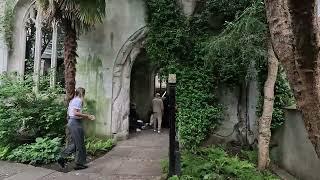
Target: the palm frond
pixel 83 14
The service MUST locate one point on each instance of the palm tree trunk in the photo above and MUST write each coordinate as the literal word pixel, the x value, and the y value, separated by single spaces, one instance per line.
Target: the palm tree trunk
pixel 265 119
pixel 70 61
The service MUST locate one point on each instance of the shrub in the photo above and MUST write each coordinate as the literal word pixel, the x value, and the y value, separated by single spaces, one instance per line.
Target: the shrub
pixel 97 145
pixel 25 115
pixel 214 163
pixel 4 152
pixel 43 151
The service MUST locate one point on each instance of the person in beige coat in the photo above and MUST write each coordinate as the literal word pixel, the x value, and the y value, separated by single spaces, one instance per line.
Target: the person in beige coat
pixel 157 107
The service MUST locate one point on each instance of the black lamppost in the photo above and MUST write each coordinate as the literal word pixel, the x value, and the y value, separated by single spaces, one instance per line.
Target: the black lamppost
pixel 174 154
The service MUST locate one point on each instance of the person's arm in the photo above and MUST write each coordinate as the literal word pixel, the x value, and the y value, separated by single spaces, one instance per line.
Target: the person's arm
pixel 76 110
pixel 82 115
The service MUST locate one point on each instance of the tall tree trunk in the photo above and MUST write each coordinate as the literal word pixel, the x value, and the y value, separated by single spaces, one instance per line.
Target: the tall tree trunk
pixel 70 55
pixel 294 33
pixel 265 119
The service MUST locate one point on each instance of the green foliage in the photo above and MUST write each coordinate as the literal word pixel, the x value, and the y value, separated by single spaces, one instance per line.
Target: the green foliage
pixel 205 55
pixel 180 45
pixel 29 65
pixel 98 145
pixel 83 14
pixel 171 47
pixel 25 115
pixel 283 98
pixel 43 151
pixel 241 44
pixel 211 16
pixel 283 95
pixel 7 22
pixel 4 152
pixel 168 34
pixel 214 163
pixel 198 110
pixel 251 156
pixel 165 165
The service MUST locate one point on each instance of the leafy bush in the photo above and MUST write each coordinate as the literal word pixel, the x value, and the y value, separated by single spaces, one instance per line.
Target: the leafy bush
pixel 97 145
pixel 231 53
pixel 251 156
pixel 25 115
pixel 43 151
pixel 214 163
pixel 4 152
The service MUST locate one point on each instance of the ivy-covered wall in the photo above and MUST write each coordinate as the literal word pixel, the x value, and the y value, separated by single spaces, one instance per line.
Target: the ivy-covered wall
pixel 215 46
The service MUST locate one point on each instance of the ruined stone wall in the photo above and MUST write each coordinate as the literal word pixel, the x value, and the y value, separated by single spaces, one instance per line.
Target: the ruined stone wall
pixel 16 60
pixel 98 51
pixel 292 150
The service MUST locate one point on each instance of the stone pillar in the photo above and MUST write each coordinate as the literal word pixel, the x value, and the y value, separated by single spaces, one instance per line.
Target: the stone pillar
pixel 42 62
pixel 3 46
pixel 188 6
pixel 53 72
pixel 3 58
pixel 37 55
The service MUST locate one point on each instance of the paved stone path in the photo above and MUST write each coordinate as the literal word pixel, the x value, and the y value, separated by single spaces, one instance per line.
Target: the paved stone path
pixel 137 158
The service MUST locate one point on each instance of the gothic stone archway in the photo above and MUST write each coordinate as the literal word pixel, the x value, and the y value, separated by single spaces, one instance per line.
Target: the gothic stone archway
pixel 121 82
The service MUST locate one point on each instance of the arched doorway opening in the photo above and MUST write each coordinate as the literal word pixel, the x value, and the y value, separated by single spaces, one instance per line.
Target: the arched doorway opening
pixel 131 53
pixel 141 89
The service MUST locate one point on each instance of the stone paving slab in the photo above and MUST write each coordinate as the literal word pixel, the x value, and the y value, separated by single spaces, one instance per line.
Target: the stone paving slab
pixel 137 158
pixel 10 169
pixel 31 174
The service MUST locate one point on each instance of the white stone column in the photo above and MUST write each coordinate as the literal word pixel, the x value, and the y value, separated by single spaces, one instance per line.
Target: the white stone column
pixel 37 55
pixel 53 72
pixel 3 58
pixel 42 62
pixel 188 6
pixel 3 46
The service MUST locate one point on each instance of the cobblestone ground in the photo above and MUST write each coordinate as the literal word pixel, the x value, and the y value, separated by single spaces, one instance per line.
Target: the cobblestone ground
pixel 137 158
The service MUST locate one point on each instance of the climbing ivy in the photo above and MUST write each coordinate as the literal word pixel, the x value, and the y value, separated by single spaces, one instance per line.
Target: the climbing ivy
pixel 216 45
pixel 170 46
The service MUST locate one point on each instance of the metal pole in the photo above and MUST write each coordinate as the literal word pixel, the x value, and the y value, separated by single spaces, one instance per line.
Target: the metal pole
pixel 172 119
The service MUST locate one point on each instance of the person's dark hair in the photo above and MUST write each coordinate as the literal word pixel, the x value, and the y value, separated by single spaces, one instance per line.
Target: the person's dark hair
pixel 80 92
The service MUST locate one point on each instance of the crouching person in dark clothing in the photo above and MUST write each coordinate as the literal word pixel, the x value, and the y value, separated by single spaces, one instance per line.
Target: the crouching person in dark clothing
pixel 75 128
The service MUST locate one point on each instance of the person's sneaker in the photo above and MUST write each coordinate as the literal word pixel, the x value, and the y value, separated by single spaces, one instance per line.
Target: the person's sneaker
pixel 159 132
pixel 62 162
pixel 80 166
pixel 154 130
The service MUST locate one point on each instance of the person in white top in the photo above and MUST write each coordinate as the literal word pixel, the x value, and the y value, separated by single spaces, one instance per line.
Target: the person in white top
pixel 75 128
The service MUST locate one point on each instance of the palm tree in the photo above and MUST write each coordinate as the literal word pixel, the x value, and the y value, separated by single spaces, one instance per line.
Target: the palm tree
pixel 75 17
